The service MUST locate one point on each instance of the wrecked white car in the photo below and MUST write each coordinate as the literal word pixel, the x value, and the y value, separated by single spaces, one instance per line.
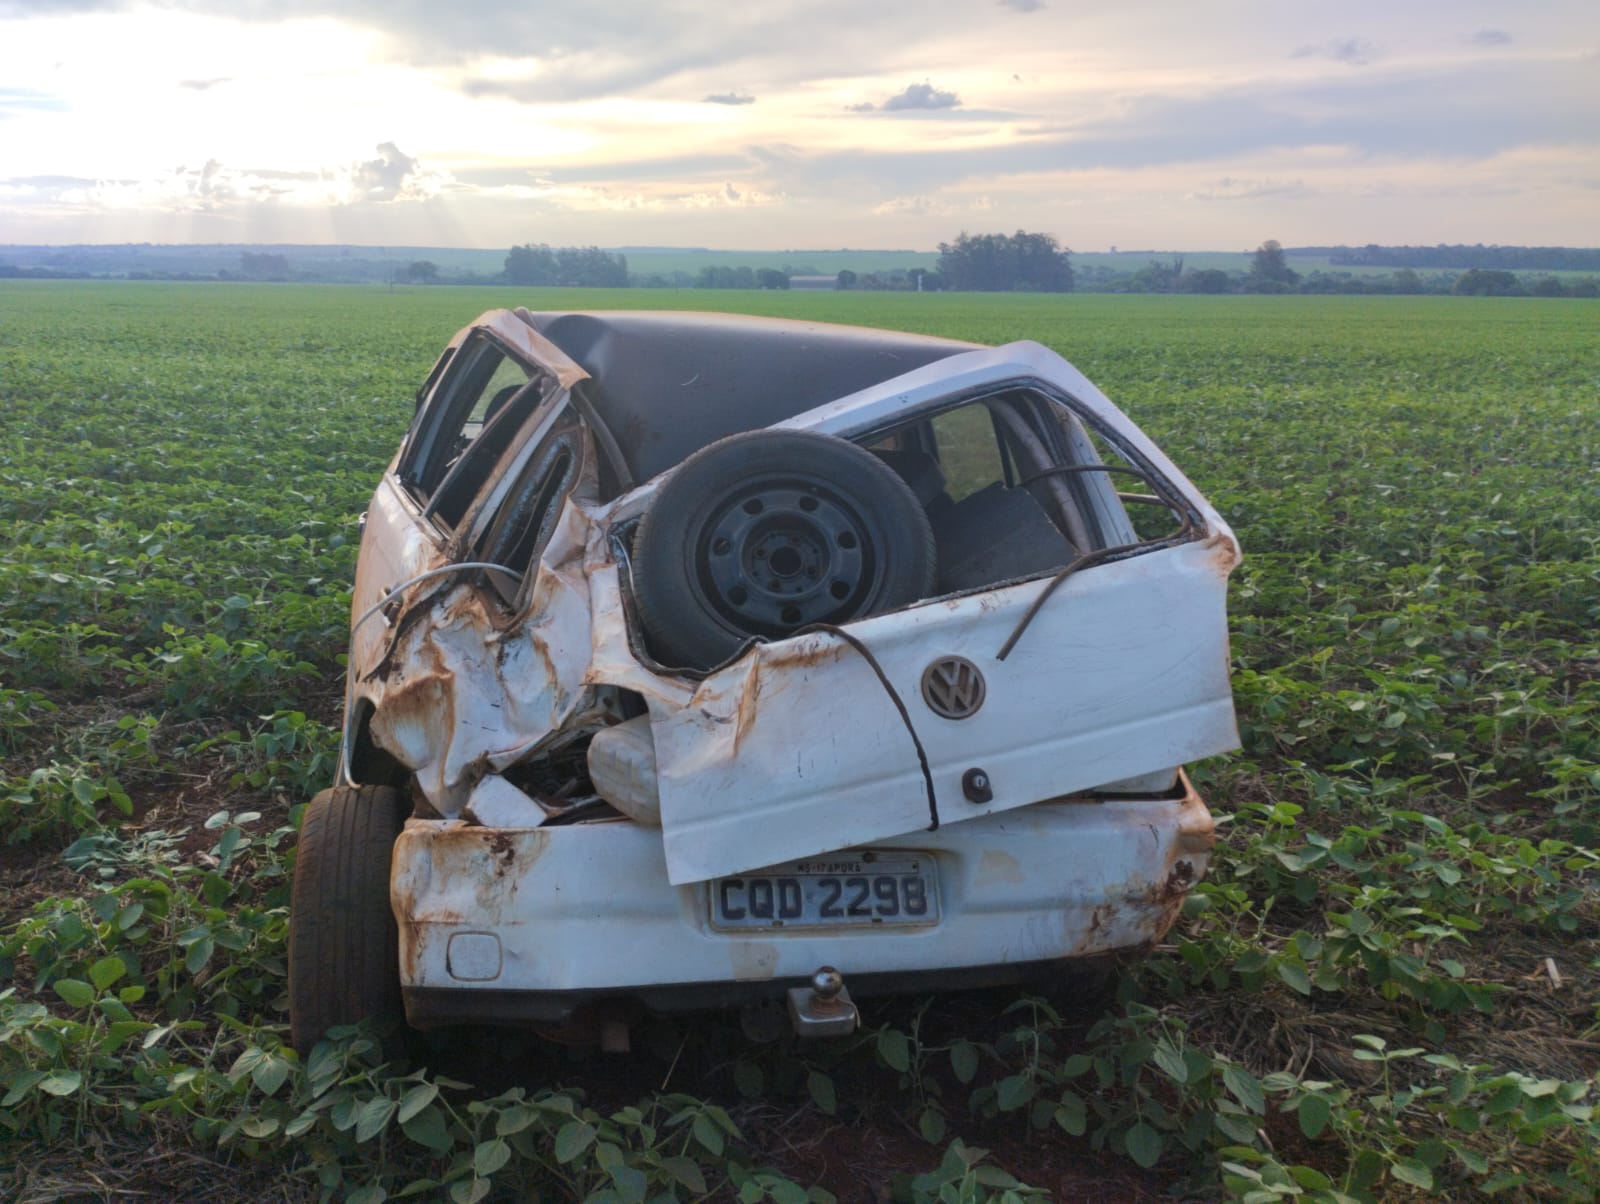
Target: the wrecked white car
pixel 702 660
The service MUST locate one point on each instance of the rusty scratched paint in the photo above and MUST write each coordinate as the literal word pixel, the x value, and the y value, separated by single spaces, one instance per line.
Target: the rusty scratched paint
pixel 452 874
pixel 1146 909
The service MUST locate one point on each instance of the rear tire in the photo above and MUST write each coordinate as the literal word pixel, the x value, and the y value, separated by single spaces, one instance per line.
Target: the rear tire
pixel 344 945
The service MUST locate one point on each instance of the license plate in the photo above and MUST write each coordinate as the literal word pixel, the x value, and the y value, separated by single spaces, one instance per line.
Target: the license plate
pixel 853 890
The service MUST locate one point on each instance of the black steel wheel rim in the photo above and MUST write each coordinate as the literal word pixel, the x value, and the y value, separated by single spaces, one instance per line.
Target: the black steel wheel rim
pixel 773 555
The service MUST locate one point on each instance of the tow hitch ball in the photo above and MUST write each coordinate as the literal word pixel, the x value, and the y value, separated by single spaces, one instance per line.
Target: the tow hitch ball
pixel 823 1009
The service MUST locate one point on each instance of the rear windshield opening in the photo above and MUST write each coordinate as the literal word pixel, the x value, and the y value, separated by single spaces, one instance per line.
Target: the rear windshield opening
pixel 1015 486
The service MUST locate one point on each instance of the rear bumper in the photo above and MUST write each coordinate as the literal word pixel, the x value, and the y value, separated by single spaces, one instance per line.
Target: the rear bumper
pixel 529 924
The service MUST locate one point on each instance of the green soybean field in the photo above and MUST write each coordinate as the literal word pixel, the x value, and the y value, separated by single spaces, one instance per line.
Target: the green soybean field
pixel 1386 988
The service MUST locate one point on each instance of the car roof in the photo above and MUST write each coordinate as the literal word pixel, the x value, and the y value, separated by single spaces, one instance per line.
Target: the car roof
pixel 668 383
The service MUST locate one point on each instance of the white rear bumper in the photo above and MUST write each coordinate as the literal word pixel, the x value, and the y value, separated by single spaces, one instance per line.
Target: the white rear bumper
pixel 506 924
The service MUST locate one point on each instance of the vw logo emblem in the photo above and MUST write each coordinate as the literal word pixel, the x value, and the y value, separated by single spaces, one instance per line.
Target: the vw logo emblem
pixel 953 688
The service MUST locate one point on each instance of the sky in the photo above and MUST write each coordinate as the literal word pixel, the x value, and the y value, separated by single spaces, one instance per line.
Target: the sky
pixel 788 124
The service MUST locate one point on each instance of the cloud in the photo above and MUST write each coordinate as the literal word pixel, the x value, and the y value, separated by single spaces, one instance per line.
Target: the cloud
pixel 1356 52
pixel 924 97
pixel 1491 37
pixel 389 177
pixel 1230 189
pixel 204 85
pixel 1022 6
pixel 729 98
pixel 902 206
pixel 921 96
pixel 16 100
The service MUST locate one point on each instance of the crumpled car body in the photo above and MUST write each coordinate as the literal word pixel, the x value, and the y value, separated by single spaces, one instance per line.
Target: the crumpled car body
pixel 981 783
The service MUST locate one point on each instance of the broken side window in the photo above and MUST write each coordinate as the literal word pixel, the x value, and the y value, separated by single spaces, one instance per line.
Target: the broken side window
pixel 481 384
pixel 526 514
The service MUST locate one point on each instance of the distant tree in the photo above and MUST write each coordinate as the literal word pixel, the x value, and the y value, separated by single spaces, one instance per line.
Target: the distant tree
pixel 771 278
pixel 570 267
pixel 1587 287
pixel 1479 282
pixel 1021 262
pixel 531 265
pixel 262 266
pixel 1548 286
pixel 590 267
pixel 726 277
pixel 845 279
pixel 1207 280
pixel 1270 271
pixel 1158 277
pixel 1406 281
pixel 421 271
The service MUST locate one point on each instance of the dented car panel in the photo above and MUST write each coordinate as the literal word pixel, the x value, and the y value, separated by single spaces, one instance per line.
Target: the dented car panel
pixel 993 729
pixel 1120 674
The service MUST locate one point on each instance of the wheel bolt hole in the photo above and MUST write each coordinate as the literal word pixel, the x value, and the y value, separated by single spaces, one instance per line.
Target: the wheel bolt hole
pixel 790 614
pixel 808 504
pixel 738 595
pixel 754 506
pixel 839 590
pixel 847 539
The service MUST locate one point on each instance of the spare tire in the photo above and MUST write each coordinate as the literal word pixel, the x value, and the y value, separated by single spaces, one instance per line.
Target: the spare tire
pixel 763 533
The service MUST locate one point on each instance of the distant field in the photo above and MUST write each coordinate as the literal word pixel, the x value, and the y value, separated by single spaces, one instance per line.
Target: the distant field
pixel 1386 987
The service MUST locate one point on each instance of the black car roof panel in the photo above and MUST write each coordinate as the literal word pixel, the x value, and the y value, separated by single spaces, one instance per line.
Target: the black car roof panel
pixel 666 383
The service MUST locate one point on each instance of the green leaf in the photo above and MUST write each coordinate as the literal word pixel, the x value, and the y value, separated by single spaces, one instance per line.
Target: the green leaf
pixel 1012 1092
pixel 75 991
pixel 708 1134
pixel 106 971
pixel 418 1098
pixel 270 1074
pixel 490 1156
pixel 749 1079
pixel 1310 1178
pixel 1246 1088
pixel 572 1139
pixel 931 1125
pixel 1144 1145
pixel 894 1049
pixel 1409 1170
pixel 822 1093
pixel 1315 1112
pixel 785 1192
pixel 427 1128
pixel 1171 1061
pixel 259 1127
pixel 631 1184
pixel 21 1085
pixel 1072 1114
pixel 199 954
pixel 1295 976
pixel 686 1172
pixel 964 1060
pixel 63 1082
pixel 373 1116
pixel 469 1191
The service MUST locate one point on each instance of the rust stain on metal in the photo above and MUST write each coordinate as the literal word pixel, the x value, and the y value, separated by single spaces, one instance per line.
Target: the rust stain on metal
pixel 804 654
pixel 1224 553
pixel 503 849
pixel 749 699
